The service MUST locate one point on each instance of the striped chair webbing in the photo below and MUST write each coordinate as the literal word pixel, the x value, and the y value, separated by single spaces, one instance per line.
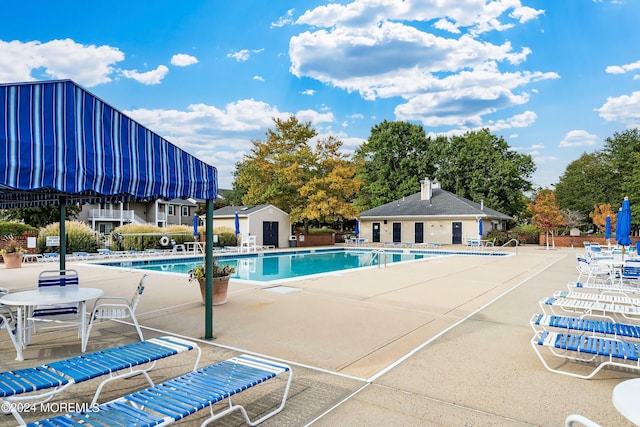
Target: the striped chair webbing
pixel 29 379
pixel 589 325
pixel 103 362
pixel 178 397
pixel 593 345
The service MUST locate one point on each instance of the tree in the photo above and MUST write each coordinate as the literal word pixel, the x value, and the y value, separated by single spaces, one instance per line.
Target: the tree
pixel 481 166
pixel 309 183
pixel 584 182
pixel 546 215
pixel 40 216
pixel 393 161
pixel 328 194
pixel 573 219
pixel 600 214
pixel 275 169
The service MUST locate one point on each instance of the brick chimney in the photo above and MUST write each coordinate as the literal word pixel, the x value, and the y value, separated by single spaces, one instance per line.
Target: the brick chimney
pixel 426 189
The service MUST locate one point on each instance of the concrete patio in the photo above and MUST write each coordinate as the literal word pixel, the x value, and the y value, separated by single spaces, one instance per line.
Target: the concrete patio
pixel 440 342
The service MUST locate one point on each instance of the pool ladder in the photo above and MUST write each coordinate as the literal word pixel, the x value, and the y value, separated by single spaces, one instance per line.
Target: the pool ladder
pixel 376 254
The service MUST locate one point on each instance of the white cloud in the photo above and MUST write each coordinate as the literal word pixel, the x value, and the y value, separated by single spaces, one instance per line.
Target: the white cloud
pixel 284 20
pixel 88 65
pixel 258 78
pixel 183 60
pixel 371 47
pixel 578 138
pixel 152 77
pixel 621 69
pixel 243 55
pixel 624 109
pixel 309 92
pixel 544 159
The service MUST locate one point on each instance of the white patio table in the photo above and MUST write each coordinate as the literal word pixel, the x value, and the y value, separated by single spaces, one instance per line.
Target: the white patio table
pixel 625 399
pixel 25 301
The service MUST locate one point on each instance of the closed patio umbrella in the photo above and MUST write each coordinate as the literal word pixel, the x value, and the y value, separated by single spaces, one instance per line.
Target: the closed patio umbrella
pixel 195 225
pixel 237 223
pixel 480 227
pixel 623 225
pixel 357 229
pixel 607 230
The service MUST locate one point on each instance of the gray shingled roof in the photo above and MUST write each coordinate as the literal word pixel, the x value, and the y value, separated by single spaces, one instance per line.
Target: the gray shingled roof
pixel 230 211
pixel 442 203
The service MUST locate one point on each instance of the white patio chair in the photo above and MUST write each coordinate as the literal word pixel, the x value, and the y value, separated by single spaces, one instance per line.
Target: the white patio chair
pixel 593 271
pixel 8 320
pixel 118 308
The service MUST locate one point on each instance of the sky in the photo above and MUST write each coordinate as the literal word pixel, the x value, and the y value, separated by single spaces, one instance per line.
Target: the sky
pixel 553 78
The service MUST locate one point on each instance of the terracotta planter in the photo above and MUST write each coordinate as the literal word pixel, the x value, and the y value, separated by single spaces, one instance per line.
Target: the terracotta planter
pixel 220 286
pixel 12 260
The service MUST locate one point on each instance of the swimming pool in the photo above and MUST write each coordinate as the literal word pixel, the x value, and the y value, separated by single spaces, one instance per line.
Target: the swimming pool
pixel 278 266
pixel 270 266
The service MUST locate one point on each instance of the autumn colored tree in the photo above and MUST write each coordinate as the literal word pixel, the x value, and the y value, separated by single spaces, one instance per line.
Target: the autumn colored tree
pixel 310 183
pixel 546 214
pixel 329 192
pixel 600 214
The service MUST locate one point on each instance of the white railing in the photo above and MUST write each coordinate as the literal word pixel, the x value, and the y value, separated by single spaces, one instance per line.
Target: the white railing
pixel 111 214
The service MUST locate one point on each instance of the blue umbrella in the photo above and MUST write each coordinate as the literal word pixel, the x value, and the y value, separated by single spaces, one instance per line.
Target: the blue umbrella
pixel 607 228
pixel 195 225
pixel 480 227
pixel 237 223
pixel 357 230
pixel 623 225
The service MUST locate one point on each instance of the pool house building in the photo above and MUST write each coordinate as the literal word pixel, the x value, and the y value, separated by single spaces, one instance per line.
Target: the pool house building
pixel 433 215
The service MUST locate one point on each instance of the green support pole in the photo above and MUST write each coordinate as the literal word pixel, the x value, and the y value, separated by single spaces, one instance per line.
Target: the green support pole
pixel 63 234
pixel 208 268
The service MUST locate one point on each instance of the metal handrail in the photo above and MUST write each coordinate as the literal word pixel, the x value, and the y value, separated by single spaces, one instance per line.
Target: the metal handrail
pixel 377 253
pixel 516 241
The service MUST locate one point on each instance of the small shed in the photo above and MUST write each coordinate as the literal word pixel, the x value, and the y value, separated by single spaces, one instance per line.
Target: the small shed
pixel 270 225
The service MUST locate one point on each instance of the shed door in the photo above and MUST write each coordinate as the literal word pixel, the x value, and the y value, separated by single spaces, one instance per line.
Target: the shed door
pixel 419 234
pixel 397 232
pixel 376 232
pixel 456 233
pixel 270 233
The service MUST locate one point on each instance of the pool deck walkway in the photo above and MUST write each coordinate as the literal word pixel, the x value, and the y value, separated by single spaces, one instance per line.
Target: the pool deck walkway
pixel 438 342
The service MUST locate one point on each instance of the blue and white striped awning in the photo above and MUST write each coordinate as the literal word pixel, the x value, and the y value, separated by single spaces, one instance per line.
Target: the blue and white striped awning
pixel 59 140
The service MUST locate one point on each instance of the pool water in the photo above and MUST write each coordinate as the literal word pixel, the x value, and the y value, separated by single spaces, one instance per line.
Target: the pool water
pixel 266 267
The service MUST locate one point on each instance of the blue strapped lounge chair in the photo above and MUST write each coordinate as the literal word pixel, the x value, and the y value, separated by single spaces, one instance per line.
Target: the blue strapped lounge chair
pixel 41 383
pixel 590 349
pixel 593 326
pixel 604 287
pixel 609 310
pixel 180 397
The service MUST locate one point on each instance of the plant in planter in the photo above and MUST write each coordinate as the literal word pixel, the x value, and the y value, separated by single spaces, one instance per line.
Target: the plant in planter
pixel 12 252
pixel 221 275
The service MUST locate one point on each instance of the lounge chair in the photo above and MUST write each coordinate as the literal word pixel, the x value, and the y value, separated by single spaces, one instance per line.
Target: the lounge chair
pixel 180 397
pixel 611 311
pixel 601 352
pixel 39 384
pixel 604 287
pixel 616 298
pixel 574 420
pixel 593 271
pixel 541 322
pixel 117 308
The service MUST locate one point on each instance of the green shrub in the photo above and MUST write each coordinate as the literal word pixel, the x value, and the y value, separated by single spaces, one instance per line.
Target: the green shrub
pixel 12 228
pixel 147 236
pixel 501 237
pixel 527 233
pixel 80 237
